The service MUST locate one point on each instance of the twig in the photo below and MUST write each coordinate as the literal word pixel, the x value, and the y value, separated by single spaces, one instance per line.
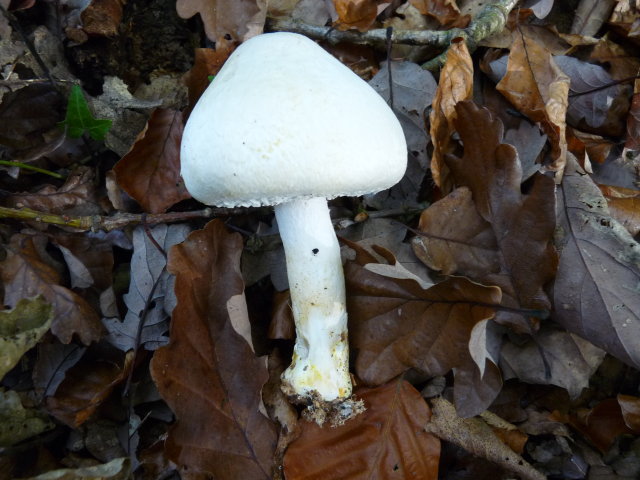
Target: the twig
pixel 491 19
pixel 26 166
pixel 108 223
pixel 376 37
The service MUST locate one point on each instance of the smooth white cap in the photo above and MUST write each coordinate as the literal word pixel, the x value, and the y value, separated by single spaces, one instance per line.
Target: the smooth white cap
pixel 284 120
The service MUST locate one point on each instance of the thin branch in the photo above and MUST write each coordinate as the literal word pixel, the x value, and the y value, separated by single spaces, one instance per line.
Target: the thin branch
pixel 491 19
pixel 376 37
pixel 108 223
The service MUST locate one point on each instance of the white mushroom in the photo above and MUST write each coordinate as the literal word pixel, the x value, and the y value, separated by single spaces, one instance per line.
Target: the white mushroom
pixel 284 123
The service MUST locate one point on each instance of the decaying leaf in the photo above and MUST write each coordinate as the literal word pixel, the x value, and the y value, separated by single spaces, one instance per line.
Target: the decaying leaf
pixel 518 256
pixel 395 324
pixel 27 114
pixel 605 421
pixel 89 260
pixel 21 328
pixel 445 11
pixel 226 21
pixel 358 14
pixel 552 357
pixel 207 62
pixel 117 469
pixel 76 196
pixel 455 239
pixel 18 423
pixel 596 288
pixel 387 441
pixel 456 84
pixel 25 274
pixel 596 102
pixel 150 172
pixel 209 374
pixel 54 359
pixel 590 15
pixel 475 436
pixel 150 296
pixel 531 69
pixel 633 120
pixel 88 384
pixel 413 91
pixel 102 17
pixel 624 206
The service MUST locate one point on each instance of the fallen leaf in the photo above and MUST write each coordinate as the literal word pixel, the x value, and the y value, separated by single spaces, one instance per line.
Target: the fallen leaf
pixel 18 423
pixel 89 260
pixel 455 239
pixel 150 172
pixel 357 14
pixel 520 223
pixel 387 441
pixel 633 120
pixel 226 21
pixel 456 84
pixel 102 17
pixel 596 102
pixel 590 16
pixel 596 147
pixel 475 436
pixel 624 206
pixel 596 287
pixel 529 142
pixel 531 69
pixel 630 409
pixel 117 469
pixel 207 62
pixel 620 62
pixel 209 374
pixel 76 196
pixel 54 359
pixel 413 92
pixel 540 8
pixel 395 325
pixel 27 114
pixel 24 274
pixel 88 384
pixel 21 328
pixel 445 11
pixel 552 357
pixel 149 298
pixel 600 424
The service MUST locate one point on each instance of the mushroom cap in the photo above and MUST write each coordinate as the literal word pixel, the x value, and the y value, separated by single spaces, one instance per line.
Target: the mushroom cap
pixel 285 120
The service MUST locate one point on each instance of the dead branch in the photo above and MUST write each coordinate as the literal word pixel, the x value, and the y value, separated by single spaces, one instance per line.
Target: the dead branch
pixel 107 223
pixel 491 19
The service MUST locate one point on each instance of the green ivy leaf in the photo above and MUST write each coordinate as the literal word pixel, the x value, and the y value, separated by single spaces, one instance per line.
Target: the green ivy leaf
pixel 79 118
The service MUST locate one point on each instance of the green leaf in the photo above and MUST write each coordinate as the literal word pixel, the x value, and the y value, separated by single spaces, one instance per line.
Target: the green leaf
pixel 20 330
pixel 79 118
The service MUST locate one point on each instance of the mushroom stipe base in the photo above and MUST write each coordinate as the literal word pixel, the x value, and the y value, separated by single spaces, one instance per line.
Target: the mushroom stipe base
pixel 334 413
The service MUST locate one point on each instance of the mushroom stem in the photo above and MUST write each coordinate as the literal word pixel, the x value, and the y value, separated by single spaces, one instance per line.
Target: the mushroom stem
pixel 320 367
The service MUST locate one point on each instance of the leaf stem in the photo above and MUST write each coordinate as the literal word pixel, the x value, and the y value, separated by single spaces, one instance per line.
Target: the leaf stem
pixel 26 166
